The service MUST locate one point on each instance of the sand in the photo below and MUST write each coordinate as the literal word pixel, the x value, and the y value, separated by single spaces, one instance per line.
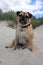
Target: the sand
pixel 19 56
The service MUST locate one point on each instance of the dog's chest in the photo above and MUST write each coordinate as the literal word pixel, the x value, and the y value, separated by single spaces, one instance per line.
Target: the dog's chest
pixel 22 36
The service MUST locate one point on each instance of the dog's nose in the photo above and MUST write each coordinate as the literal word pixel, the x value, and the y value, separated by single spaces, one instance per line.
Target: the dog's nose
pixel 22 18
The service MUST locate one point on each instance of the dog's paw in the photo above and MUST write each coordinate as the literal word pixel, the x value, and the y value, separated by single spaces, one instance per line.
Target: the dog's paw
pixel 14 48
pixel 32 50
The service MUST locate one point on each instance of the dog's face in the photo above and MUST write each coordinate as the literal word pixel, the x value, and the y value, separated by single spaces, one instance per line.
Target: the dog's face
pixel 24 17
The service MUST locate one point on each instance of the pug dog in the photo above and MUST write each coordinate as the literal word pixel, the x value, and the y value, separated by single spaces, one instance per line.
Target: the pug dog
pixel 24 32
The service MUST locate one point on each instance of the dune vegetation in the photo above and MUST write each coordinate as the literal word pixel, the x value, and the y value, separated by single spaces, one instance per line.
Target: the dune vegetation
pixel 11 16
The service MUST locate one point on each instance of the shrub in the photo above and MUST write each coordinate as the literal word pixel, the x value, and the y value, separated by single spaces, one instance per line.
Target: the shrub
pixel 34 22
pixel 40 20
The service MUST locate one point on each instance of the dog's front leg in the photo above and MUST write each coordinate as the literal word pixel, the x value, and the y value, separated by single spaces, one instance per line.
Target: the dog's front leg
pixel 31 45
pixel 15 43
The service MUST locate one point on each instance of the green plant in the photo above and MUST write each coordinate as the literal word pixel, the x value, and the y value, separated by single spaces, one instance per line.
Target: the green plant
pixel 34 22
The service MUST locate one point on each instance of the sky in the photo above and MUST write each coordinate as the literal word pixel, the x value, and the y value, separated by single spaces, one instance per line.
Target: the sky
pixel 33 6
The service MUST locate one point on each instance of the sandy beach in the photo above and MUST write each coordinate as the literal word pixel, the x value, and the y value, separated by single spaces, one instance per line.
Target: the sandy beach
pixel 20 56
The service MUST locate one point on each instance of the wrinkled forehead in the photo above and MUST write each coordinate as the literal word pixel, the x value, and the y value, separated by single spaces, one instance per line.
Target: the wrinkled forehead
pixel 24 14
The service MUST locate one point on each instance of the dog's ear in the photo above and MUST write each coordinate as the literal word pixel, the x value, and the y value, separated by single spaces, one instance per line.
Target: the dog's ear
pixel 30 15
pixel 18 12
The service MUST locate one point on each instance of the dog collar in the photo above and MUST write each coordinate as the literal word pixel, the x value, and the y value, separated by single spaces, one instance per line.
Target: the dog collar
pixel 24 26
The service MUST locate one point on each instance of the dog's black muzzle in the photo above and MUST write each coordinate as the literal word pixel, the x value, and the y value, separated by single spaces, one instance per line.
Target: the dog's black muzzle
pixel 23 20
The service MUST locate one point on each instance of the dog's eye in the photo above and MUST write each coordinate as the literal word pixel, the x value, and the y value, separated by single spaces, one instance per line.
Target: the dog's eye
pixel 27 16
pixel 20 15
